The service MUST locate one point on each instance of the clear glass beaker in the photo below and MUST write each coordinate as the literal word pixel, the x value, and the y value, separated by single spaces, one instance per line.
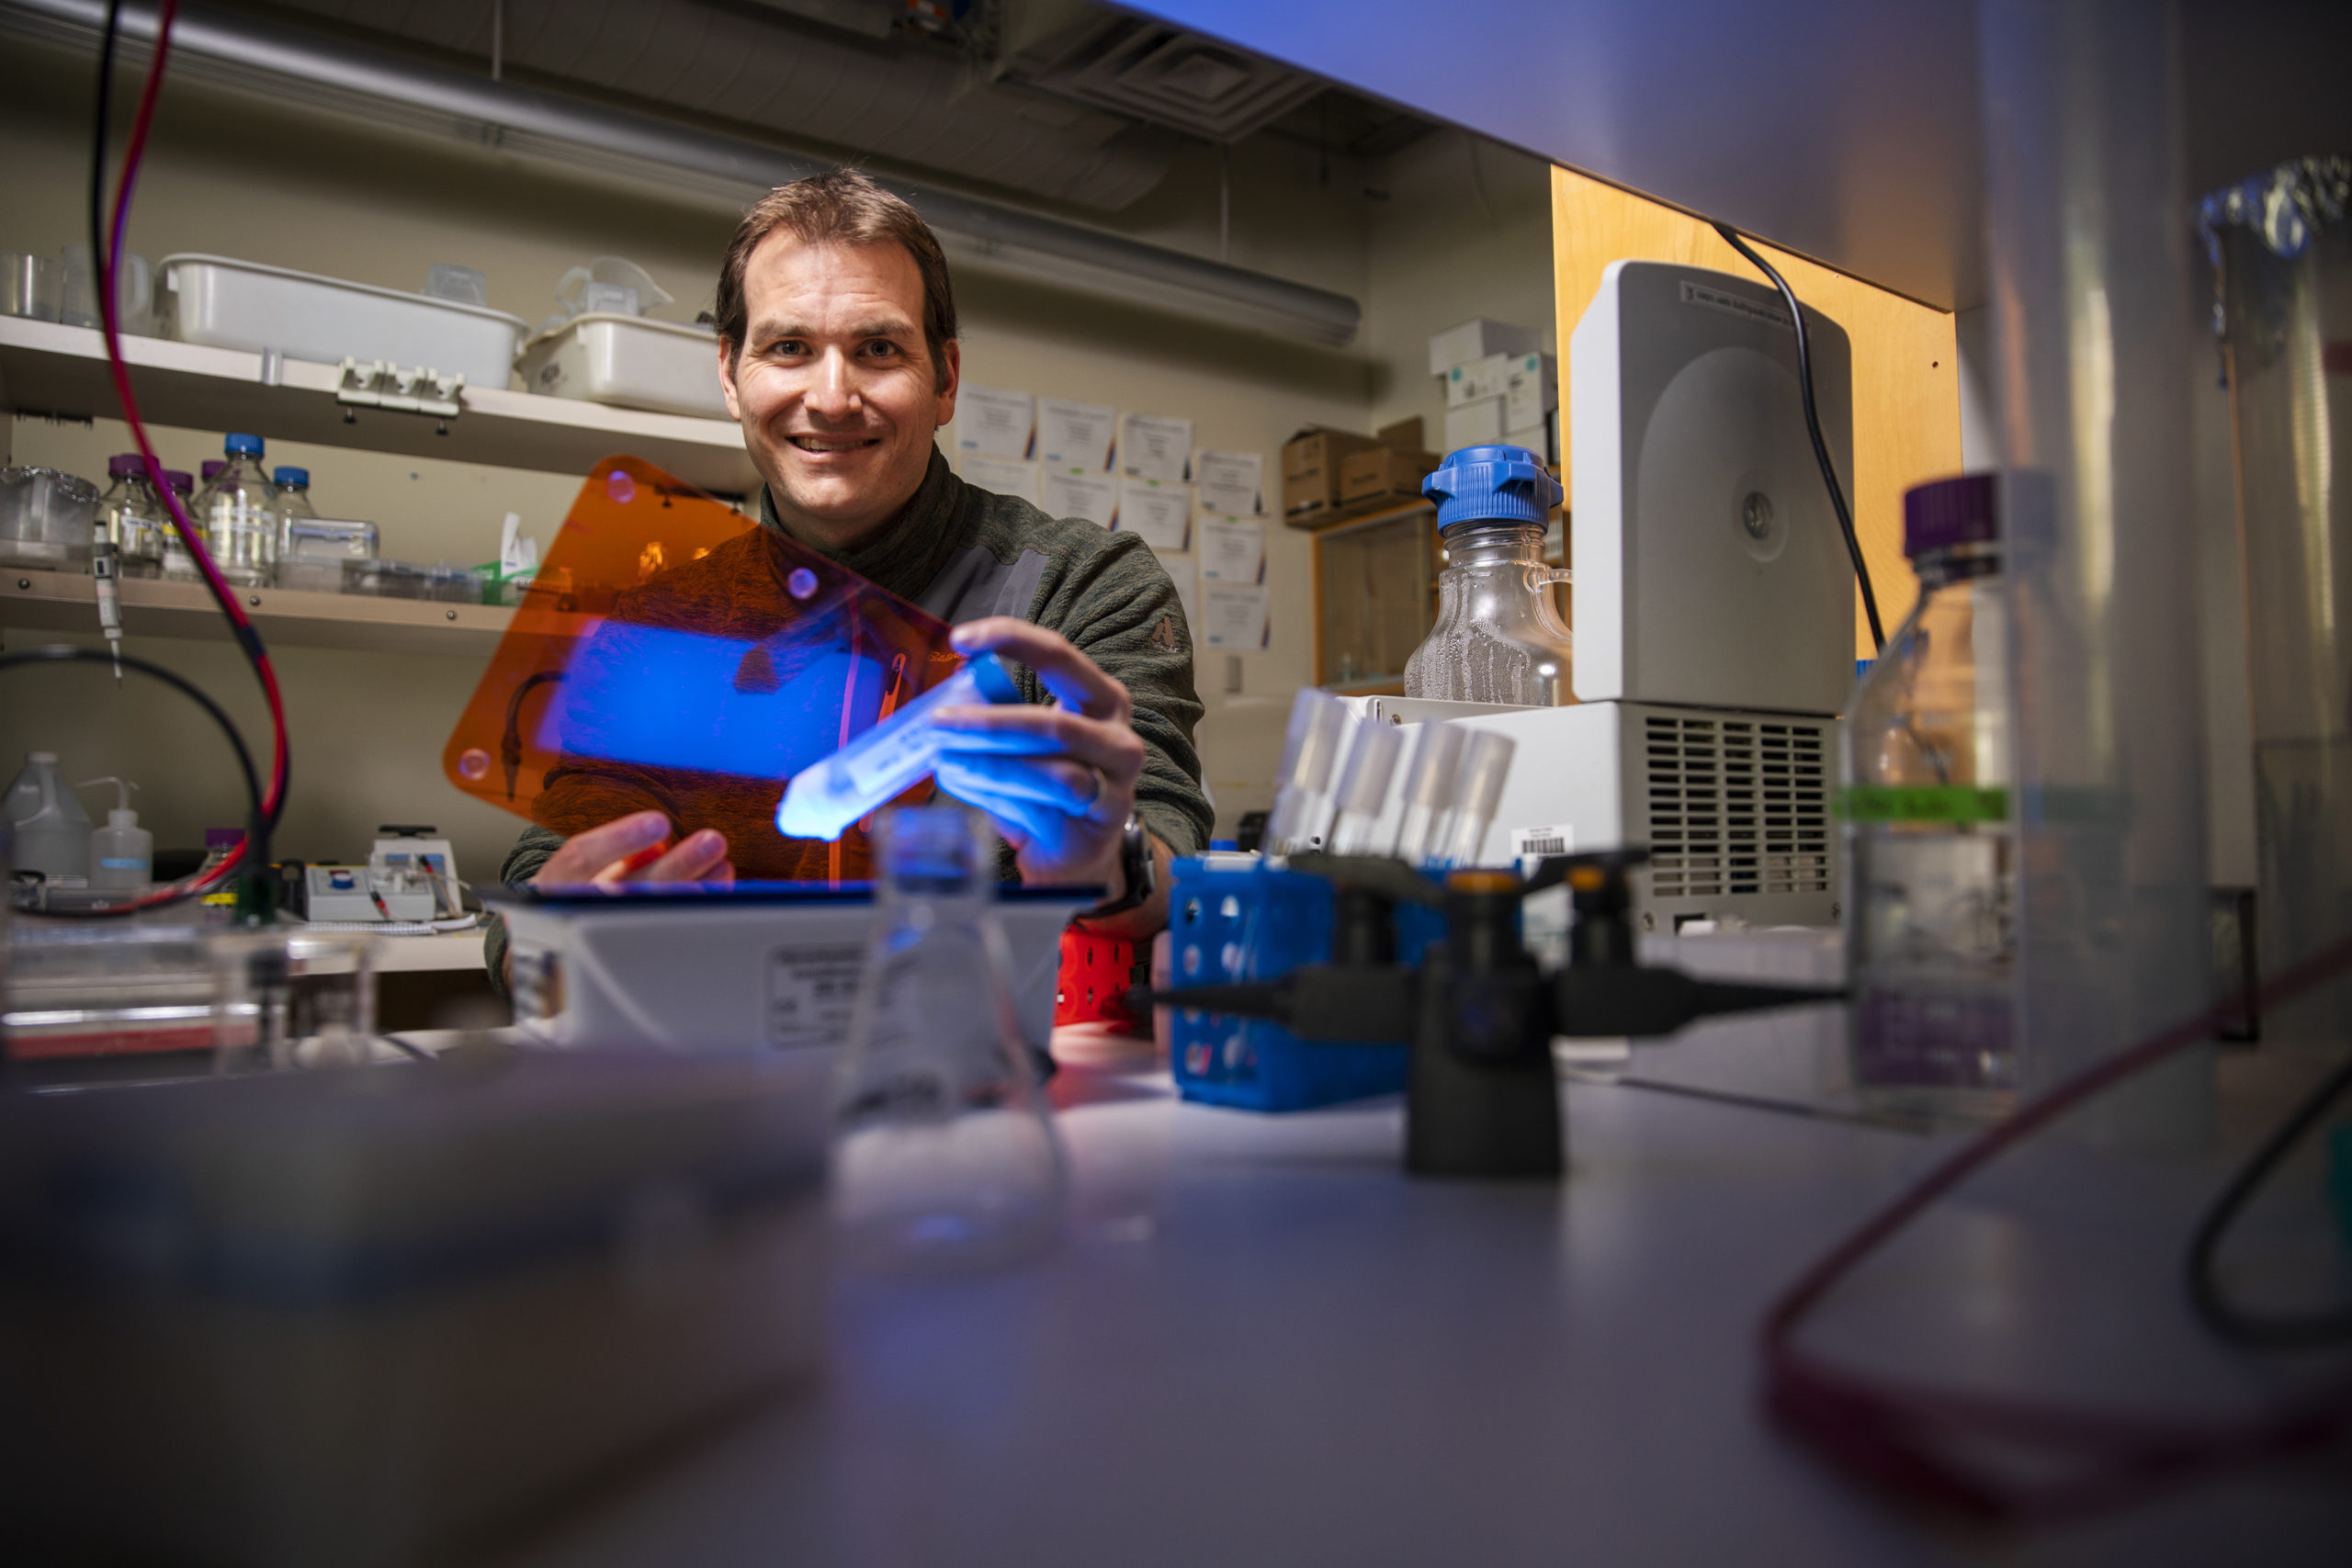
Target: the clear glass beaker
pixel 1499 636
pixel 945 1154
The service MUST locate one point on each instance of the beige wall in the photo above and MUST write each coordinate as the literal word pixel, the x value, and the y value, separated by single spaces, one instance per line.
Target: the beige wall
pixel 242 176
pixel 1466 230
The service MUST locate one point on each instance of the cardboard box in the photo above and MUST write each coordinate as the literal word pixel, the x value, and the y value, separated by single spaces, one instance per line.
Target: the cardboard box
pixel 1405 435
pixel 1311 462
pixel 1475 339
pixel 1531 390
pixel 1474 424
pixel 1368 476
pixel 1479 379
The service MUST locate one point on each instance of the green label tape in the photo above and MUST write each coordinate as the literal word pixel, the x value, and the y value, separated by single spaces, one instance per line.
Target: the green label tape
pixel 1922 802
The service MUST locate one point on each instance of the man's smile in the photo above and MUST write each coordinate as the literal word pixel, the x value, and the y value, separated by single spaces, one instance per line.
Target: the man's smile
pixel 834 443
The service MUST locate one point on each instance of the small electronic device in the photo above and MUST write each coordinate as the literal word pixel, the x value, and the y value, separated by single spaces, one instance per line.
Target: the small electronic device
pixel 410 878
pixel 755 965
pixel 356 893
pixel 1709 566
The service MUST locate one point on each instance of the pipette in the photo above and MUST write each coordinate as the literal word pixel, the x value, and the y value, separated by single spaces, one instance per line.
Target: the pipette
pixel 824 800
pixel 103 573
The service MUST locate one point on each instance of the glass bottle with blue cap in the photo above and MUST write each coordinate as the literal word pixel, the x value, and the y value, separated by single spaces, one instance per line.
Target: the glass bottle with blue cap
pixel 1499 636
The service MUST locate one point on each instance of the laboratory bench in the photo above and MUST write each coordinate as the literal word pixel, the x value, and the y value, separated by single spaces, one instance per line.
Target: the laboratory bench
pixel 1259 1342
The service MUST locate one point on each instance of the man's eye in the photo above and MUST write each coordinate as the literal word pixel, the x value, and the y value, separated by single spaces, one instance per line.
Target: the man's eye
pixel 788 347
pixel 881 349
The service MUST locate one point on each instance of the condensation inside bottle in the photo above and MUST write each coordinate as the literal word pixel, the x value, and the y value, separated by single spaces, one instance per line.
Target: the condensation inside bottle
pixel 1499 636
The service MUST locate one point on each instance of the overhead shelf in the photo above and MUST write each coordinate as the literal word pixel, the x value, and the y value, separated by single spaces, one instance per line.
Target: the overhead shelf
pixel 65 602
pixel 49 368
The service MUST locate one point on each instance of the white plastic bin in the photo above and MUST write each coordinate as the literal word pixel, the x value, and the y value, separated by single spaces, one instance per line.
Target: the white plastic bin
pixel 628 361
pixel 242 304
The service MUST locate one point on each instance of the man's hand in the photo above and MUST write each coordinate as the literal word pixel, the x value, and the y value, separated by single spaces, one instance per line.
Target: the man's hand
pixel 636 847
pixel 1058 782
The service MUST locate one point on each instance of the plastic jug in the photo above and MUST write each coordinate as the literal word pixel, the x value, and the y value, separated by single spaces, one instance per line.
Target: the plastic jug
pixel 52 831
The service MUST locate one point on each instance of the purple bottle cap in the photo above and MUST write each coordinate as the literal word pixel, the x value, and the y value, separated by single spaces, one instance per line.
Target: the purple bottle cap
pixel 1962 510
pixel 178 479
pixel 223 838
pixel 124 464
pixel 211 468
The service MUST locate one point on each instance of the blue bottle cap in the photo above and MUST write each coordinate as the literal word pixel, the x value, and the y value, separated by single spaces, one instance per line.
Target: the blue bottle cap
pixel 291 476
pixel 993 679
pixel 1492 484
pixel 1225 844
pixel 241 445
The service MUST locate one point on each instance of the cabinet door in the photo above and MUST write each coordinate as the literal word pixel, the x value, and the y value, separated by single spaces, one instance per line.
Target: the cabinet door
pixel 1375 599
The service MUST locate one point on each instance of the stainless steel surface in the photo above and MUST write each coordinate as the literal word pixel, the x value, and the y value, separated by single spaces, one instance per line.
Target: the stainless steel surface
pixel 528 119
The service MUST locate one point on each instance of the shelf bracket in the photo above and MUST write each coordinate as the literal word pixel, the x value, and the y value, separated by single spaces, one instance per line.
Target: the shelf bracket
pixel 380 384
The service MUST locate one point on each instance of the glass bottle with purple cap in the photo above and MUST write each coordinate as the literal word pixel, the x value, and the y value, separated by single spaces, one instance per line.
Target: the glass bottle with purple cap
pixel 1930 844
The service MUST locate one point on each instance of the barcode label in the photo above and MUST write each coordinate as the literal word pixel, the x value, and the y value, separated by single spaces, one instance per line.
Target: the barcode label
pixel 1531 845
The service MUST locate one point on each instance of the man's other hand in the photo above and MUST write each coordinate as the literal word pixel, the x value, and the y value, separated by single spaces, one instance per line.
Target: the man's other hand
pixel 636 847
pixel 1058 782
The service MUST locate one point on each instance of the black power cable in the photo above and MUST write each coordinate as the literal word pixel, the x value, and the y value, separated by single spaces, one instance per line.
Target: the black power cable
pixel 2229 1321
pixel 257 827
pixel 1813 427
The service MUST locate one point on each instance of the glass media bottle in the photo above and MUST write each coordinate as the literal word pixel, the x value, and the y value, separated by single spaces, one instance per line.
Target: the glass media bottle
pixel 238 512
pixel 1929 849
pixel 1498 636
pixel 944 1153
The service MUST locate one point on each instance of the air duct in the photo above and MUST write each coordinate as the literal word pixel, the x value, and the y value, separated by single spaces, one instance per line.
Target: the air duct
pixel 243 52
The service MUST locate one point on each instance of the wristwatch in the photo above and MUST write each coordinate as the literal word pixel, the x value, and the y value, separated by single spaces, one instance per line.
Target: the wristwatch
pixel 1136 870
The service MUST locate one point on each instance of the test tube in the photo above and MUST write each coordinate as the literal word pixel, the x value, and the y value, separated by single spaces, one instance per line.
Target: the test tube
pixel 1364 786
pixel 824 800
pixel 1477 791
pixel 1318 727
pixel 1428 792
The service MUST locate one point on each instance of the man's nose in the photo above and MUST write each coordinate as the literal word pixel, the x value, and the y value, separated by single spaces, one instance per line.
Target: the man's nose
pixel 835 395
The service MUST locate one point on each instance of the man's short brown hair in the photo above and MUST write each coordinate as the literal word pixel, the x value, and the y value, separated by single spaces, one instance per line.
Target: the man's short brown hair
pixel 840 207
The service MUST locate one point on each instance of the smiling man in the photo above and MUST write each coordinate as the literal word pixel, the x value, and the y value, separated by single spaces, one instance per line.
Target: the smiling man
pixel 838 354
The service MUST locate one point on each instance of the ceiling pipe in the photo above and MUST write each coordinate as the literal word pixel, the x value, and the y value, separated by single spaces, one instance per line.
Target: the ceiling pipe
pixel 224 46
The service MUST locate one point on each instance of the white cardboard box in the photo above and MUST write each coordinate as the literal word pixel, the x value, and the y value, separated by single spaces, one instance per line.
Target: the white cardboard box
pixel 1475 339
pixel 1531 390
pixel 1474 425
pixel 1488 378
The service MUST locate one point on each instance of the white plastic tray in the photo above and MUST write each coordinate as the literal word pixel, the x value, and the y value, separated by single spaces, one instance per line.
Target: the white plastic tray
pixel 628 361
pixel 241 304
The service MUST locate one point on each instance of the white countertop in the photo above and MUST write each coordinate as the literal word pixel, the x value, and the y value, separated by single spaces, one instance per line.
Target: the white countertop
pixel 1262 1343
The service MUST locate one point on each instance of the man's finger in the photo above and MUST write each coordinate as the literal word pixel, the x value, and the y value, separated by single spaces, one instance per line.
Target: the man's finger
pixel 695 860
pixel 1020 821
pixel 1076 681
pixel 1099 743
pixel 1071 788
pixel 584 855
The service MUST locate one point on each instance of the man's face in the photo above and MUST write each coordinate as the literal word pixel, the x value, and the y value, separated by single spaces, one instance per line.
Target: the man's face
pixel 836 392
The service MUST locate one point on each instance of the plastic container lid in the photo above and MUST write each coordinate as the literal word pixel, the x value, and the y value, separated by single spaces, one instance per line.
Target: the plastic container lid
pixel 211 468
pixel 1232 844
pixel 241 445
pixel 125 465
pixel 1492 484
pixel 1963 510
pixel 177 479
pixel 223 838
pixel 291 476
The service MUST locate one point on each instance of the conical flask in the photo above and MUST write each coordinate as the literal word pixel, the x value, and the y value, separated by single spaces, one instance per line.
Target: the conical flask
pixel 944 1153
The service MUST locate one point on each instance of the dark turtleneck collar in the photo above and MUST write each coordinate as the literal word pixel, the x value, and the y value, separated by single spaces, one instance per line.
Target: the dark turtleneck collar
pixel 909 550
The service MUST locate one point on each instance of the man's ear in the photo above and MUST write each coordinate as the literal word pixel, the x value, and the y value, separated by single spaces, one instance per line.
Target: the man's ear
pixel 951 359
pixel 726 380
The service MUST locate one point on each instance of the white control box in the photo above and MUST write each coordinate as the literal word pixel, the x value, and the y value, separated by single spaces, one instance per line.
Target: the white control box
pixel 1709 567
